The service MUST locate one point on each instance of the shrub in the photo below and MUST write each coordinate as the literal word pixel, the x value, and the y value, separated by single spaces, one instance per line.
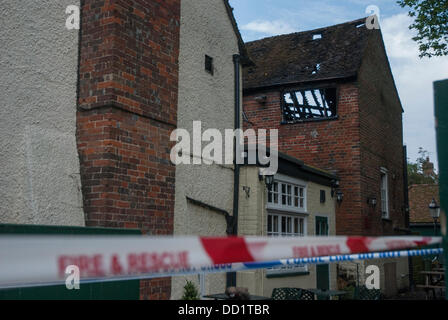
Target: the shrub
pixel 190 291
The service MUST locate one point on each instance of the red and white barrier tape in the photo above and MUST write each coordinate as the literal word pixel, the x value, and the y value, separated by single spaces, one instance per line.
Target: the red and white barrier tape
pixel 43 259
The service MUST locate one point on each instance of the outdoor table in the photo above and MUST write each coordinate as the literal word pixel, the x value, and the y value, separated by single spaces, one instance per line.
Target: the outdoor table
pixel 327 293
pixel 223 296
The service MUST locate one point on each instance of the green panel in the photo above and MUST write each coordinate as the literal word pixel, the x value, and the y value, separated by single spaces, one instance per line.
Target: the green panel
pixel 39 229
pixel 117 290
pixel 424 230
pixel 441 114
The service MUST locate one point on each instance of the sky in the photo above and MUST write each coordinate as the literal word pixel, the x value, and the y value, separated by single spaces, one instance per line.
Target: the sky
pixel 413 75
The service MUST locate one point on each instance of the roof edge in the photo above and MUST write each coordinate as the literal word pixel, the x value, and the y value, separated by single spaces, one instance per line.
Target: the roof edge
pixel 245 59
pixel 356 21
pixel 348 77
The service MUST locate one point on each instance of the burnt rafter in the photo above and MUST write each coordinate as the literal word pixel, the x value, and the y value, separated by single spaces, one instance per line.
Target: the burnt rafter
pixel 309 104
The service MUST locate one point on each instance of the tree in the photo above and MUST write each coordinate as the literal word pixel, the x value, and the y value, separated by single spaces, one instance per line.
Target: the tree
pixel 190 292
pixel 431 24
pixel 416 173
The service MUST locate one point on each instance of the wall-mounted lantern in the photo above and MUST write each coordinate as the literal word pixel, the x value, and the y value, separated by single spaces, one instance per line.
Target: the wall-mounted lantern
pixel 269 180
pixel 334 186
pixel 339 196
pixel 372 202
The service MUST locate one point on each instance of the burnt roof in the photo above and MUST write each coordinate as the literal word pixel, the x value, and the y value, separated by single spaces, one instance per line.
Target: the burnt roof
pixel 292 58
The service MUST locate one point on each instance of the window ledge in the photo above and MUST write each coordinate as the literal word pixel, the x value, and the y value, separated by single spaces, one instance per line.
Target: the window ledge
pixel 285 209
pixel 287 274
pixel 309 120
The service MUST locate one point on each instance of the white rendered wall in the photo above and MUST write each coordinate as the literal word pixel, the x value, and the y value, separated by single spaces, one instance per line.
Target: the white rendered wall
pixel 205 30
pixel 39 171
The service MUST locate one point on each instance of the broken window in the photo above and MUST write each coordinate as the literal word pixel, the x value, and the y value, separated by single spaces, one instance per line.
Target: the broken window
pixel 309 104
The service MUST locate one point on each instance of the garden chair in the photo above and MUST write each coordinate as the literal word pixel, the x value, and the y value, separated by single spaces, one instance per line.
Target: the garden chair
pixel 292 294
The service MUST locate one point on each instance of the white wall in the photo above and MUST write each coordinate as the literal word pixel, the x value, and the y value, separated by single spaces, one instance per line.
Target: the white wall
pixel 205 30
pixel 39 172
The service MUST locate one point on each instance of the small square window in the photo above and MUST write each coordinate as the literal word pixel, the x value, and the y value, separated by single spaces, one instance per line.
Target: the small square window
pixel 209 64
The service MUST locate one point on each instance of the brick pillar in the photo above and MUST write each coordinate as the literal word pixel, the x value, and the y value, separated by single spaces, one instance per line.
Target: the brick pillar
pixel 127 108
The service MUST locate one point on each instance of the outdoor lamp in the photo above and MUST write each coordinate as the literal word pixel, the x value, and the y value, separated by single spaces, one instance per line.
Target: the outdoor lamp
pixel 434 210
pixel 372 201
pixel 339 196
pixel 269 180
pixel 334 185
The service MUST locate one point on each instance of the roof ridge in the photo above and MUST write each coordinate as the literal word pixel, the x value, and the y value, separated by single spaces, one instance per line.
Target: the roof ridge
pixel 357 21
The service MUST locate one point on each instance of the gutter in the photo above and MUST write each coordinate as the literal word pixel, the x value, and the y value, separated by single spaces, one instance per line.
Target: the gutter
pixel 236 172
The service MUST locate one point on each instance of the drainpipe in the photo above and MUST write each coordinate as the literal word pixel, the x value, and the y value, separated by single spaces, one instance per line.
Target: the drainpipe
pixel 231 276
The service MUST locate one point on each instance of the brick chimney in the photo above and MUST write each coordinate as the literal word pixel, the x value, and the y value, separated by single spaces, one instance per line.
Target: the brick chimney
pixel 428 168
pixel 127 109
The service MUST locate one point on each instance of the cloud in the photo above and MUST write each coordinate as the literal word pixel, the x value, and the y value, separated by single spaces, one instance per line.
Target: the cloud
pixel 269 27
pixel 413 77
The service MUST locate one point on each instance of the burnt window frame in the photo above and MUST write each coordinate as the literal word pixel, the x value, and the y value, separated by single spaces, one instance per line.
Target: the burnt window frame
pixel 304 88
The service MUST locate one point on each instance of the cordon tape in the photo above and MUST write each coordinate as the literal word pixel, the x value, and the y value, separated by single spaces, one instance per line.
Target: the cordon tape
pixel 42 260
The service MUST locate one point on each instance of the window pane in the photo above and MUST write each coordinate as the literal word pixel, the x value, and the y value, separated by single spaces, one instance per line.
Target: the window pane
pixel 289 195
pixel 296 225
pixel 275 223
pixel 283 224
pixel 301 227
pixel 301 202
pixel 283 194
pixel 269 223
pixel 289 224
pixel 275 186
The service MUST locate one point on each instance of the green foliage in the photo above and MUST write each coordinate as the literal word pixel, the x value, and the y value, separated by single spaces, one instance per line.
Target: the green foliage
pixel 415 170
pixel 190 292
pixel 431 24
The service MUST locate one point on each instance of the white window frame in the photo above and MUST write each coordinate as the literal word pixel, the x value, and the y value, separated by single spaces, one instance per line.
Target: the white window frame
pixel 385 214
pixel 287 268
pixel 292 182
pixel 286 233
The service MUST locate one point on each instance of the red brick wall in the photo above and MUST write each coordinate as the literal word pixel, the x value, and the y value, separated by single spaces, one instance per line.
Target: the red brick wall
pixel 336 147
pixel 381 139
pixel 420 196
pixel 128 78
pixel 366 136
